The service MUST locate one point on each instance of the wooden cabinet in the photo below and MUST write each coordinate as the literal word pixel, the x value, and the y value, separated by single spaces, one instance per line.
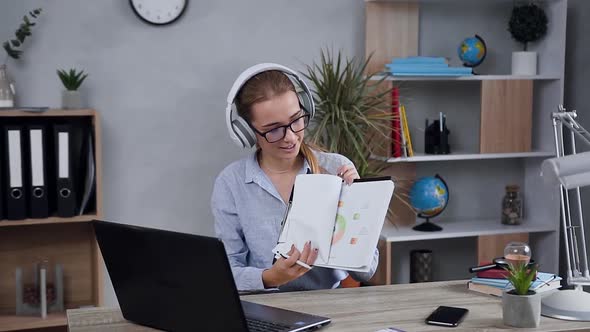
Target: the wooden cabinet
pixel 68 241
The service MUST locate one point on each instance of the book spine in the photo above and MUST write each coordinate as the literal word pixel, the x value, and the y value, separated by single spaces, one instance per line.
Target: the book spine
pixel 419 60
pixel 395 123
pixel 406 131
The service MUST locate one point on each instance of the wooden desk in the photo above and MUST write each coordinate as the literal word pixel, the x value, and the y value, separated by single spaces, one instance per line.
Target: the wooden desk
pixel 361 309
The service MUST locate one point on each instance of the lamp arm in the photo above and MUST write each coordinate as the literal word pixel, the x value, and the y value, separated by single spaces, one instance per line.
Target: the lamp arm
pixel 572 245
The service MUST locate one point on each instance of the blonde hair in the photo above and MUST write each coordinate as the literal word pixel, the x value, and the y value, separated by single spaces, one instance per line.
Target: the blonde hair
pixel 263 87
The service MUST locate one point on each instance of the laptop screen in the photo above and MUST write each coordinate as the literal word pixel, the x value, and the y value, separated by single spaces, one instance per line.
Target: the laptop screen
pixel 171 281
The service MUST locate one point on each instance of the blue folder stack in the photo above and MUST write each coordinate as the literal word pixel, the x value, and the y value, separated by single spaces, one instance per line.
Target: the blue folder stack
pixel 425 66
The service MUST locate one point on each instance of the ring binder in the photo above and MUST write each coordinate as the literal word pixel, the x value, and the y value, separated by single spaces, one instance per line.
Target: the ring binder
pixel 15 198
pixel 66 196
pixel 39 204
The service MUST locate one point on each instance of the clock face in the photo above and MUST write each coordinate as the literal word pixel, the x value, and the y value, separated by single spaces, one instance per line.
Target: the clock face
pixel 158 12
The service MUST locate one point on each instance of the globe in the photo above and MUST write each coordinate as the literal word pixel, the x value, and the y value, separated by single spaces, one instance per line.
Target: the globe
pixel 429 196
pixel 472 51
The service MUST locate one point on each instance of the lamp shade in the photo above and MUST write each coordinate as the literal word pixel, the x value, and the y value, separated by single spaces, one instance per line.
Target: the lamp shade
pixel 571 171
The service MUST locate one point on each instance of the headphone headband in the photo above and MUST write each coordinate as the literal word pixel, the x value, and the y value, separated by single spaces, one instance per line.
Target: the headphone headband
pixel 238 128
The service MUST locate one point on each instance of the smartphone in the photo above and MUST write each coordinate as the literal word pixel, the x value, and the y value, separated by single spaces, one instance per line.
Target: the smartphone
pixel 447 316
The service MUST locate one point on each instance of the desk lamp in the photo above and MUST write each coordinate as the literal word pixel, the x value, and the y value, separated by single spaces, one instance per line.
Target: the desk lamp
pixel 570 172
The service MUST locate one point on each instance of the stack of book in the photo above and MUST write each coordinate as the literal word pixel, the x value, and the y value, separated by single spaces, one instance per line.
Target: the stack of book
pixel 425 66
pixel 495 286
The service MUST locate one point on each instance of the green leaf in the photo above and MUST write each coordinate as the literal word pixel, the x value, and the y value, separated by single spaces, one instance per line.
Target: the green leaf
pixel 71 79
pixel 15 43
pixel 15 54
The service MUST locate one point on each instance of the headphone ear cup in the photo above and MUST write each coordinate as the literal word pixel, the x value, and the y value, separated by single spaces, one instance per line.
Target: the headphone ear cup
pixel 306 103
pixel 244 132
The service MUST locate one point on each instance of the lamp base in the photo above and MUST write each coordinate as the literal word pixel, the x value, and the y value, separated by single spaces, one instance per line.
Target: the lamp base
pixel 570 304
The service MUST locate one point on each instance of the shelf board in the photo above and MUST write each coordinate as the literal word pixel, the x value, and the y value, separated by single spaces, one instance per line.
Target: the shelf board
pixel 421 157
pixel 17 323
pixel 460 229
pixel 50 220
pixel 50 112
pixel 466 78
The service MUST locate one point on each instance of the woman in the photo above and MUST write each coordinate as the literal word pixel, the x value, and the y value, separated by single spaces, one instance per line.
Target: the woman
pixel 250 196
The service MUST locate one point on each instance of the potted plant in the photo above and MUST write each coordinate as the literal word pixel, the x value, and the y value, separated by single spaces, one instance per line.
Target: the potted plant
pixel 521 307
pixel 13 48
pixel 71 80
pixel 353 113
pixel 351 116
pixel 528 23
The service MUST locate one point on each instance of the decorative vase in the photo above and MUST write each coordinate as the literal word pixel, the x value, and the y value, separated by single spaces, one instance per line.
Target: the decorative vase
pixel 420 265
pixel 521 310
pixel 6 89
pixel 524 63
pixel 71 99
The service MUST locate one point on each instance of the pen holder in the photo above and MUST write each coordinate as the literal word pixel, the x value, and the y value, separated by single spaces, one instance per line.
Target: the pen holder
pixel 39 289
pixel 435 140
pixel 420 265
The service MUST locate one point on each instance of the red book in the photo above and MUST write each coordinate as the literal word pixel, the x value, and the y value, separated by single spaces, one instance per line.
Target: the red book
pixel 494 273
pixel 396 138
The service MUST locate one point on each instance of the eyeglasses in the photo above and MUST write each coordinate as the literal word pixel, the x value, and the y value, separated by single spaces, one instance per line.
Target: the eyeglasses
pixel 278 133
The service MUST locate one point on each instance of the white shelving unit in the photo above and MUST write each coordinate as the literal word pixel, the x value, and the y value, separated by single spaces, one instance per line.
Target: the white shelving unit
pixel 388 77
pixel 471 221
pixel 421 157
pixel 458 229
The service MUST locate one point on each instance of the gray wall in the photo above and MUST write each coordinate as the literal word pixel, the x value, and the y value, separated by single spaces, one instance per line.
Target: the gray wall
pixel 161 90
pixel 577 77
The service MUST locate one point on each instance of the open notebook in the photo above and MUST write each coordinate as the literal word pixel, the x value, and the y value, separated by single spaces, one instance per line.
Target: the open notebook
pixel 344 222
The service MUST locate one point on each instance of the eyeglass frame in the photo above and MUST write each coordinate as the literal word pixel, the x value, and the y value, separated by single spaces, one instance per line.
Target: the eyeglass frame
pixel 263 134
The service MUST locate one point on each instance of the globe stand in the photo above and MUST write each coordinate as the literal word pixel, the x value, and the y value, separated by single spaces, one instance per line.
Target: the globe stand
pixel 427 226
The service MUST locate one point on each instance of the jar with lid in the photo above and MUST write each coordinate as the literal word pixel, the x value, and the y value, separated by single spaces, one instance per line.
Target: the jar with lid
pixel 512 206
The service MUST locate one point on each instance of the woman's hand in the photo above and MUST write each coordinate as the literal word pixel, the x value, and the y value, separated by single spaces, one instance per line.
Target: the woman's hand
pixel 285 270
pixel 348 173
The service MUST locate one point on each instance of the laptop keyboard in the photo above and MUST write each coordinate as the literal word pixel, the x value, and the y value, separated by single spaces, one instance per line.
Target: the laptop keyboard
pixel 255 325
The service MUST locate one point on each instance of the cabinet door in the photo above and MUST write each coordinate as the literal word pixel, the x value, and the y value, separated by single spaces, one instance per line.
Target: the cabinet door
pixel 506 116
pixel 492 246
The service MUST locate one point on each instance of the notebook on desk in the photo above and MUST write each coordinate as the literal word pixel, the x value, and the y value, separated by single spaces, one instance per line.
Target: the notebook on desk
pixel 183 282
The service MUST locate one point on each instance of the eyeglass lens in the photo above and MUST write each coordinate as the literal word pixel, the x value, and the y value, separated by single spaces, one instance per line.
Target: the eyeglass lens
pixel 279 133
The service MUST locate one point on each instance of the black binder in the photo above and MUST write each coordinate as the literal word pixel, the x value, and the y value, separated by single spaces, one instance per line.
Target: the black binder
pixel 38 182
pixel 2 166
pixel 65 189
pixel 16 207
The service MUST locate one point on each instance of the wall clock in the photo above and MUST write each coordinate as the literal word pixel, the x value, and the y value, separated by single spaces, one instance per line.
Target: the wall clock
pixel 159 12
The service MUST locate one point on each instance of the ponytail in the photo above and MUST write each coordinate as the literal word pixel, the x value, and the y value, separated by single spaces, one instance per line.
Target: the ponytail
pixel 312 160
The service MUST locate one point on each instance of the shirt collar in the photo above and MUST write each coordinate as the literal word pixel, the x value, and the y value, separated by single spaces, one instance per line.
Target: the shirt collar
pixel 254 172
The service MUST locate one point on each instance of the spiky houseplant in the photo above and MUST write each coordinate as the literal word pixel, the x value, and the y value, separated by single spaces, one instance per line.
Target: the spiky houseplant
pixel 521 277
pixel 352 116
pixel 13 47
pixel 71 79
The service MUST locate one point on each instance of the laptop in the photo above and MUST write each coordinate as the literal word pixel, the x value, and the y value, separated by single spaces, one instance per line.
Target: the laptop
pixel 183 282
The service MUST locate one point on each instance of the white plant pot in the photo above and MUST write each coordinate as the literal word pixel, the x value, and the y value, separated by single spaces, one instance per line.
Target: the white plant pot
pixel 521 310
pixel 524 63
pixel 71 99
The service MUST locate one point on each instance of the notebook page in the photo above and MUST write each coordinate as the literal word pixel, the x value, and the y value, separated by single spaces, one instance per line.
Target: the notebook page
pixel 359 219
pixel 311 217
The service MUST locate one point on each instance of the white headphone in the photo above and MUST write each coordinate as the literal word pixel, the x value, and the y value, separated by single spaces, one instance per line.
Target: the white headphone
pixel 239 129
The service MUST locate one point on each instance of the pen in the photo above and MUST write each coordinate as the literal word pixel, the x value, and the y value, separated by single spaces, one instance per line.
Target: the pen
pixel 298 262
